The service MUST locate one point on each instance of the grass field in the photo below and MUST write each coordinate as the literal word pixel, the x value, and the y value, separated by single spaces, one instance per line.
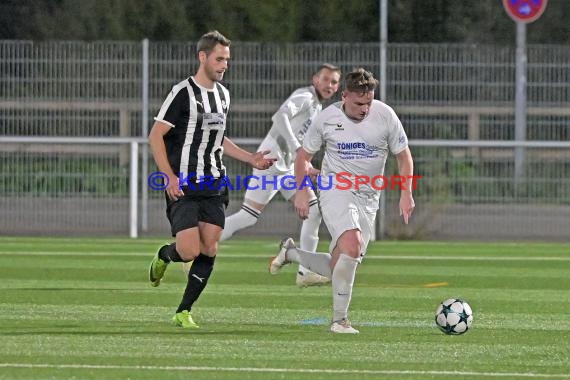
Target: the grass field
pixel 83 309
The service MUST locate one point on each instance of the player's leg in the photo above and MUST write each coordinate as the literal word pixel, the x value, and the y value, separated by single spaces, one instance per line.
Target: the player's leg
pixel 210 227
pixel 308 241
pixel 309 237
pixel 246 217
pixel 186 251
pixel 337 209
pixel 257 196
pixel 317 262
pixel 350 237
pixel 183 217
pixel 198 274
pixel 345 260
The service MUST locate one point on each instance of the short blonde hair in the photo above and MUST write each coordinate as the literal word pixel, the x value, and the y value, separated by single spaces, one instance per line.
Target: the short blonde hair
pixel 328 66
pixel 360 80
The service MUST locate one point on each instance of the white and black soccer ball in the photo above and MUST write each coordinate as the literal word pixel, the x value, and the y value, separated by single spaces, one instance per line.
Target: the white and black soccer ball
pixel 454 316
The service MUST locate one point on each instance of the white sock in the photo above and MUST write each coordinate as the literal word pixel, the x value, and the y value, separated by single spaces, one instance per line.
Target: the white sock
pixel 342 281
pixel 246 217
pixel 317 262
pixel 310 231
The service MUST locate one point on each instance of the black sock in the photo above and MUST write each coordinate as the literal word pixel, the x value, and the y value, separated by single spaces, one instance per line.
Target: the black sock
pixel 197 280
pixel 168 253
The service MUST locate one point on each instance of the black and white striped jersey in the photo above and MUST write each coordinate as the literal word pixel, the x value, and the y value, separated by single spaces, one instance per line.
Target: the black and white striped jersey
pixel 197 116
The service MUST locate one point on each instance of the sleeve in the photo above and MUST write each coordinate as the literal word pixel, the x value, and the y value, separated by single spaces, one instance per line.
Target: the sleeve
pixel 397 139
pixel 175 108
pixel 293 106
pixel 281 122
pixel 295 103
pixel 314 137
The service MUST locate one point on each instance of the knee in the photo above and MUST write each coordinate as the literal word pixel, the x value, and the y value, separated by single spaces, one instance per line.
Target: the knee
pixel 353 252
pixel 187 250
pixel 210 249
pixel 350 245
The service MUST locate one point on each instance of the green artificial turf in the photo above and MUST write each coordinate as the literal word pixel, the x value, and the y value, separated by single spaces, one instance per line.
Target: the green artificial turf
pixel 84 309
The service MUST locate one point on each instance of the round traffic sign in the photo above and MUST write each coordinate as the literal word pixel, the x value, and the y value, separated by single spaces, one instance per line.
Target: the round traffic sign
pixel 525 10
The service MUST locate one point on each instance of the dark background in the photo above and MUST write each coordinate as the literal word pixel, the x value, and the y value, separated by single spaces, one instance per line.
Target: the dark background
pixel 461 21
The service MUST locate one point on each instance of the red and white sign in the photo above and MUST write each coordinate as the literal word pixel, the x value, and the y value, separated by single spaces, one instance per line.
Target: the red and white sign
pixel 525 10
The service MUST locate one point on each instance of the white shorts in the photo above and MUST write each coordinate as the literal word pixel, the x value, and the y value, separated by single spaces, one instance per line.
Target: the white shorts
pixel 266 183
pixel 343 211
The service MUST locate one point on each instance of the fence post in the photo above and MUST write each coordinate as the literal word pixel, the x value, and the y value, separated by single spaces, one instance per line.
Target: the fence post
pixel 124 126
pixel 379 232
pixel 144 133
pixel 133 191
pixel 520 103
pixel 474 133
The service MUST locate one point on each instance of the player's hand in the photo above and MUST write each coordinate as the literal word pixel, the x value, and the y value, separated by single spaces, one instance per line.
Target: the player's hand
pixel 407 206
pixel 313 173
pixel 173 189
pixel 301 203
pixel 260 162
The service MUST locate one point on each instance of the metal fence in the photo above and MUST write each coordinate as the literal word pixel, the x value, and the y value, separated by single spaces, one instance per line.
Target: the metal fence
pixel 456 103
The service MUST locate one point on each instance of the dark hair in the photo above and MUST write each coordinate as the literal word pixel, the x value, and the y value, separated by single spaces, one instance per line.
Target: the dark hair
pixel 328 66
pixel 360 80
pixel 208 41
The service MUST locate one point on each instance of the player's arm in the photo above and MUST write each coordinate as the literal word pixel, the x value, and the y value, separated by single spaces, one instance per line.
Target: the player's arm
pixel 158 148
pixel 256 160
pixel 283 125
pixel 292 107
pixel 303 169
pixel 406 168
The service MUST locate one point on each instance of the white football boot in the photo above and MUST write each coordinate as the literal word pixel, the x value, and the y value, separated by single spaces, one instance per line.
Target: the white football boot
pixel 343 327
pixel 280 260
pixel 311 279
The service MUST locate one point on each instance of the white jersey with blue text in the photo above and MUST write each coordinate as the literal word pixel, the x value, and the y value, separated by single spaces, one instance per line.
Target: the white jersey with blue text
pixel 355 147
pixel 301 108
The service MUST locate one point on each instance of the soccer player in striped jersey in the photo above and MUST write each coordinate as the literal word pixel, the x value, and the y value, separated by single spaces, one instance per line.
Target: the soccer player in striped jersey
pixel 357 134
pixel 188 141
pixel 289 125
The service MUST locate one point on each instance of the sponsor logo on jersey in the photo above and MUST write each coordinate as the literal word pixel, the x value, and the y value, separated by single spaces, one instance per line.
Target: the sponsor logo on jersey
pixel 213 120
pixel 357 149
pixel 304 128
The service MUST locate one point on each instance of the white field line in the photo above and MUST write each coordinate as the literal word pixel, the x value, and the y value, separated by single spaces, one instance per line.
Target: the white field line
pixel 285 370
pixel 241 256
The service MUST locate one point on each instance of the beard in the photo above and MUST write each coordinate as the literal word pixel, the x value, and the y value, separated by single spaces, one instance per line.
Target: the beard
pixel 213 75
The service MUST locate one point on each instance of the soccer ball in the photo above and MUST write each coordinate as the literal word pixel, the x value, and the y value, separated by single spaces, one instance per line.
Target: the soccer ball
pixel 454 316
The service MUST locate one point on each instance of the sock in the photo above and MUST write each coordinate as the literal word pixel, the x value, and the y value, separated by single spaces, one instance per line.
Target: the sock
pixel 314 261
pixel 310 231
pixel 168 253
pixel 246 217
pixel 342 281
pixel 197 279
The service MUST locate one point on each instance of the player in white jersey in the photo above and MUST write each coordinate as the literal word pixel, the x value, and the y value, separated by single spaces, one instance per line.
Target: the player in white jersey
pixel 357 133
pixel 290 124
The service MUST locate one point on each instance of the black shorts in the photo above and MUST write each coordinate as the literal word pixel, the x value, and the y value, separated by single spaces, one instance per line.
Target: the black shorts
pixel 197 206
